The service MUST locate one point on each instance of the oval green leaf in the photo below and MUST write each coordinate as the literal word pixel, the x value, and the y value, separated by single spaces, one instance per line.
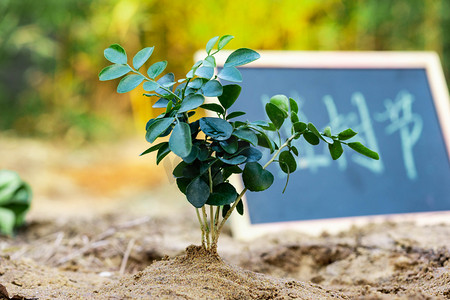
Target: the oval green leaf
pixel 129 82
pixel 230 93
pixel 191 102
pixel 230 74
pixel 212 88
pixel 157 128
pixel 217 128
pixel 180 141
pixel 287 162
pixel 335 150
pixel 142 56
pixel 150 86
pixel 224 40
pixel 247 135
pixel 156 69
pixel 281 101
pixel 275 114
pixel 116 54
pixel 113 72
pixel 311 138
pixel 205 72
pixel 241 57
pixel 211 43
pixel 346 134
pixel 255 178
pixel 197 192
pixel 223 194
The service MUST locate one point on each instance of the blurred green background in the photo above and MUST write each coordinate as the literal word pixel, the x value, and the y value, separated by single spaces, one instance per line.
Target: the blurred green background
pixel 52 50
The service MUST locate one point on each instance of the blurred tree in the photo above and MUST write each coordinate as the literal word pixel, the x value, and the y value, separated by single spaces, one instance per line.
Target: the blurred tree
pixel 51 50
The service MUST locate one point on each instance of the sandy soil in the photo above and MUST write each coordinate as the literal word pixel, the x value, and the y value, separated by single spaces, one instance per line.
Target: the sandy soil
pixel 106 225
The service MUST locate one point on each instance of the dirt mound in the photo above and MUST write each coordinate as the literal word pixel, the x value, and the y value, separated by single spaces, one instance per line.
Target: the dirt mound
pixel 202 275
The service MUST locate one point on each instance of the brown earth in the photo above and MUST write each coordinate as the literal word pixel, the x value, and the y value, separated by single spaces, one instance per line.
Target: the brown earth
pixel 105 224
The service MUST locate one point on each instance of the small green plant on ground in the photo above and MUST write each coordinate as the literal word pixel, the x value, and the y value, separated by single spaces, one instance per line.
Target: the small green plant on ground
pixel 15 198
pixel 214 148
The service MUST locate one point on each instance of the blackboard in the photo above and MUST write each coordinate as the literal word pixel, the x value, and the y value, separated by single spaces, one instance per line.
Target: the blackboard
pixel 398 102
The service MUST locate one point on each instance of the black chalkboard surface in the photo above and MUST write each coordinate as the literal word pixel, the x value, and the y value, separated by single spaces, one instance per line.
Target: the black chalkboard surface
pixel 398 103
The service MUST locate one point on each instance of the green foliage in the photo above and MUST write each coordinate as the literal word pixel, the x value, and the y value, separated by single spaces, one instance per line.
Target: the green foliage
pixel 212 149
pixel 15 198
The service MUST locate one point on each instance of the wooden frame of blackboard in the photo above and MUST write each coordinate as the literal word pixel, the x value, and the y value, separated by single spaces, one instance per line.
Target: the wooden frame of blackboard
pixel 241 225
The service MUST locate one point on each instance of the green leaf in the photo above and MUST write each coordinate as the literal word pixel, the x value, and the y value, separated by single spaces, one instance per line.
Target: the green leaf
pixel 211 43
pixel 225 209
pixel 255 178
pixel 205 72
pixel 241 57
pixel 157 128
pixel 230 146
pixel 246 134
pixel 196 83
pixel 335 150
pixel 162 152
pixel 230 74
pixel 213 107
pixel 7 221
pixel 223 194
pixel 230 93
pixel 150 86
pixel 156 69
pixel 191 102
pixel 217 128
pixel 252 154
pixel 346 134
pixel 178 170
pixel 294 105
pixel 224 40
pixel 192 156
pixel 235 114
pixel 327 131
pixel 234 160
pixel 161 103
pixel 240 207
pixel 182 184
pixel 165 81
pixel 116 54
pixel 153 148
pixel 209 61
pixel 281 101
pixel 113 72
pixel 129 82
pixel 294 117
pixel 142 56
pixel 212 88
pixel 275 114
pixel 197 192
pixel 300 127
pixel 287 162
pixel 180 141
pixel 316 132
pixel 360 148
pixel 311 138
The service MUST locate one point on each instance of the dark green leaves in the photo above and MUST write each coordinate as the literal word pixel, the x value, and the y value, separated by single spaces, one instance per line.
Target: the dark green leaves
pixel 281 101
pixel 129 82
pixel 191 102
pixel 287 162
pixel 142 56
pixel 246 135
pixel 346 134
pixel 157 128
pixel 113 72
pixel 275 114
pixel 360 148
pixel 223 194
pixel 255 178
pixel 156 69
pixel 216 128
pixel 335 149
pixel 197 192
pixel 180 141
pixel 116 54
pixel 229 95
pixel 241 57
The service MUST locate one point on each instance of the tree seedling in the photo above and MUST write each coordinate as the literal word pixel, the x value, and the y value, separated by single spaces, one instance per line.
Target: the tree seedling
pixel 214 148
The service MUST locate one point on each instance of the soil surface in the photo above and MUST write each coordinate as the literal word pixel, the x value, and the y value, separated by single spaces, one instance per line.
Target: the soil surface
pixel 105 224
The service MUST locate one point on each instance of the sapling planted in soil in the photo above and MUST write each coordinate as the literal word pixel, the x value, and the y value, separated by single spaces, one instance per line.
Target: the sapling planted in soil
pixel 214 148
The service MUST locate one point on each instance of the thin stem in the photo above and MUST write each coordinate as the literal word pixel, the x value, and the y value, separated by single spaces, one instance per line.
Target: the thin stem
pixel 207 229
pixel 201 226
pixel 279 150
pixel 211 220
pixel 160 86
